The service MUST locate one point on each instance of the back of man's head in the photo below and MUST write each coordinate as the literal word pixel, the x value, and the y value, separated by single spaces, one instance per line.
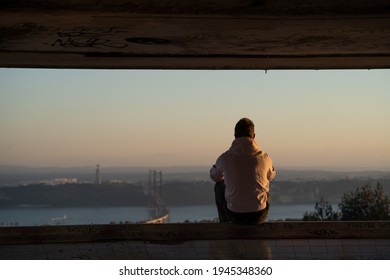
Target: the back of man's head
pixel 244 128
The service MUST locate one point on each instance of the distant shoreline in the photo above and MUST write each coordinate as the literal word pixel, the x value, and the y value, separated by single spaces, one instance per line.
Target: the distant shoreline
pixel 187 168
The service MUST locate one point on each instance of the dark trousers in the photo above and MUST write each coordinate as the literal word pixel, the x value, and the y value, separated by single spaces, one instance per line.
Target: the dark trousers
pixel 225 215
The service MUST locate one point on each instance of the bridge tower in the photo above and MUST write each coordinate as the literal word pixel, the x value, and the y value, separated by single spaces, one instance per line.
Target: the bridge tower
pixel 156 203
pixel 98 177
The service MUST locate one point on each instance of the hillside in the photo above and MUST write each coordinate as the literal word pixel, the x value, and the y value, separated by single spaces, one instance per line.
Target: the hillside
pixel 176 193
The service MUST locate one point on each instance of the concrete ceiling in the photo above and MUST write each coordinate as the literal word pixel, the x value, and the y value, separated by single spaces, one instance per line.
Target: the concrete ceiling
pixel 195 34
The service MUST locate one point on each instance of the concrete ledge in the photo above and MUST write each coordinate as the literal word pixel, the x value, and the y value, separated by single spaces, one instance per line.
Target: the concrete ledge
pixel 274 240
pixel 193 231
pixel 195 34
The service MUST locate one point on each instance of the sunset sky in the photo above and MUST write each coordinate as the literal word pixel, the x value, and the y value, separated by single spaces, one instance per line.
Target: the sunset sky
pixel 303 119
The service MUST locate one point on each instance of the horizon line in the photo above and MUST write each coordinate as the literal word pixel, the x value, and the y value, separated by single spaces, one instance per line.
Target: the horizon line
pixel 145 167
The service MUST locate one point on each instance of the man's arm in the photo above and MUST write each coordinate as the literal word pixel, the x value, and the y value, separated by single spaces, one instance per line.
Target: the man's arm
pixel 216 173
pixel 271 173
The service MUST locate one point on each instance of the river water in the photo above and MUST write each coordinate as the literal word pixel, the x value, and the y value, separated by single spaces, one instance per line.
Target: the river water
pixel 35 216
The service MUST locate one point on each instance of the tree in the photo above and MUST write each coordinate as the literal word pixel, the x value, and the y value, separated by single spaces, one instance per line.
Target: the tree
pixel 365 204
pixel 323 211
pixel 362 204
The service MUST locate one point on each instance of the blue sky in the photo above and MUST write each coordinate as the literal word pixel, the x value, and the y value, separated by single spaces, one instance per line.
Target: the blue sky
pixel 317 119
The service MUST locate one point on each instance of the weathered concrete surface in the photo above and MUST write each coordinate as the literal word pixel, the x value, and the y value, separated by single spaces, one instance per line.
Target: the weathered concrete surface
pixel 196 34
pixel 192 231
pixel 276 240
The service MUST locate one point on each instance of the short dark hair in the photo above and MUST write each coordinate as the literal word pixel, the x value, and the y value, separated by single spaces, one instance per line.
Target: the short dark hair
pixel 244 128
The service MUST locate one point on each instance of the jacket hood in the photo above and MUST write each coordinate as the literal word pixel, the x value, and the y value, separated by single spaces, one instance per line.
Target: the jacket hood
pixel 244 146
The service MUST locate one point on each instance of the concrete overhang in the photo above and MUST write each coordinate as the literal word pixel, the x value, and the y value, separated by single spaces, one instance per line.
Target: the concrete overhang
pixel 195 34
pixel 192 241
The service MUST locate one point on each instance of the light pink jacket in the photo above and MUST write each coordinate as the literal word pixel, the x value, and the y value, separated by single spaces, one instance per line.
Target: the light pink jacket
pixel 247 172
